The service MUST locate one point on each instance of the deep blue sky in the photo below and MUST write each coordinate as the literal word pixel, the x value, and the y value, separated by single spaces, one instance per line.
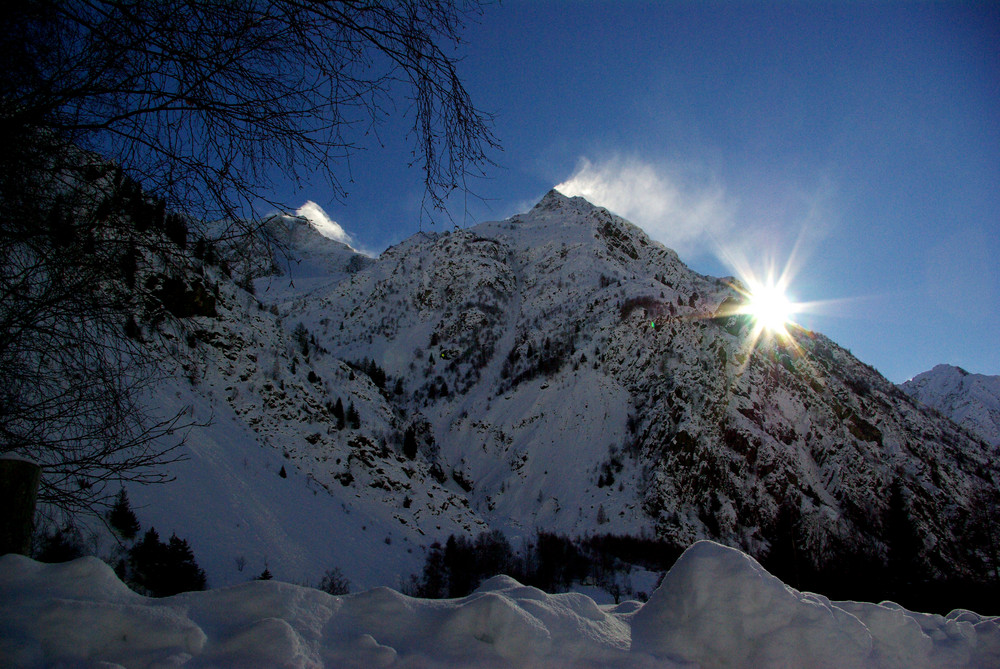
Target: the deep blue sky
pixel 866 136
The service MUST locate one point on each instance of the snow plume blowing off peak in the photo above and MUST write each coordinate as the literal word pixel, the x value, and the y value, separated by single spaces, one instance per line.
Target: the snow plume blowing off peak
pixel 684 216
pixel 326 226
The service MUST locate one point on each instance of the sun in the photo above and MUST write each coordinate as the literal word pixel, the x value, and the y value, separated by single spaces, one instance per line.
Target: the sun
pixel 770 307
pixel 764 299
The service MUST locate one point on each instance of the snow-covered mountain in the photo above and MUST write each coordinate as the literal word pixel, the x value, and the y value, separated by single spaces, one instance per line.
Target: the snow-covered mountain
pixel 557 370
pixel 268 479
pixel 971 400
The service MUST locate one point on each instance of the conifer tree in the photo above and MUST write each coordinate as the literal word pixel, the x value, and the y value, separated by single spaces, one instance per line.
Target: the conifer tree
pixel 301 335
pixel 338 413
pixel 147 559
pixel 183 574
pixel 905 546
pixel 410 443
pixel 121 517
pixel 352 416
pixel 163 569
pixel 434 580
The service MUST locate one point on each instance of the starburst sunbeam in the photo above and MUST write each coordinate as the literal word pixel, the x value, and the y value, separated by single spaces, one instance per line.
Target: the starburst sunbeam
pixel 765 299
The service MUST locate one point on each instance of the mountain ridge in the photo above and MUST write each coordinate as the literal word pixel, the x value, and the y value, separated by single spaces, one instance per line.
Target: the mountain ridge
pixel 561 371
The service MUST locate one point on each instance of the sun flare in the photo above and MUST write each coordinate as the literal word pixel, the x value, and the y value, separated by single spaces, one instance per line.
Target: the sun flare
pixel 770 307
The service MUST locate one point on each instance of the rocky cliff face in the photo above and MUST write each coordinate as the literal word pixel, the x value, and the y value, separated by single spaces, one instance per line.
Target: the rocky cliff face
pixel 559 370
pixel 578 377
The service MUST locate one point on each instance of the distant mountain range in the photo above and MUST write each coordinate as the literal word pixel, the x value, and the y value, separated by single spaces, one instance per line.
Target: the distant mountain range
pixel 555 371
pixel 971 400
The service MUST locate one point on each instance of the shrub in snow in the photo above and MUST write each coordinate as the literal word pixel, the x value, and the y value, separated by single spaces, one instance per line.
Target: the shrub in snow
pixel 335 583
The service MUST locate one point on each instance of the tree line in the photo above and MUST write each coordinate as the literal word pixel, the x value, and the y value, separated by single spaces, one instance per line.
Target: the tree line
pixel 549 561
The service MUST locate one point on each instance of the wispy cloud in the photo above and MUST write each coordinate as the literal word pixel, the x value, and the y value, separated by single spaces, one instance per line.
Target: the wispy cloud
pixel 325 225
pixel 765 229
pixel 764 233
pixel 683 212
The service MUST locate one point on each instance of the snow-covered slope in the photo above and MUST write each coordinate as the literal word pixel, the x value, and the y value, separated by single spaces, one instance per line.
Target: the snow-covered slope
pixel 716 608
pixel 303 257
pixel 270 478
pixel 971 400
pixel 580 378
pixel 555 371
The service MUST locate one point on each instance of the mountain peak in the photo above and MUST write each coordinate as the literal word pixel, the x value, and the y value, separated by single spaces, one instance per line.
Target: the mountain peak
pixel 971 400
pixel 555 200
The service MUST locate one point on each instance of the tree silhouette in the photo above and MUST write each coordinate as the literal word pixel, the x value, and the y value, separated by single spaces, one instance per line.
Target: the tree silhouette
pixel 410 443
pixel 335 583
pixel 127 123
pixel 122 518
pixel 903 541
pixel 198 99
pixel 338 413
pixel 71 351
pixel 163 569
pixel 352 417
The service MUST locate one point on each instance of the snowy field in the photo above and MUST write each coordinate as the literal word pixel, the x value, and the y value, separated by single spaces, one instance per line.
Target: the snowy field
pixel 715 608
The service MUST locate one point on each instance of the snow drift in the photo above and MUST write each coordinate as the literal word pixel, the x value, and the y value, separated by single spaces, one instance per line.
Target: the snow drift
pixel 716 607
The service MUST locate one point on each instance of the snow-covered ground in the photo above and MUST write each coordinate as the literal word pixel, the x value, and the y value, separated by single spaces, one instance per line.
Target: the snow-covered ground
pixel 715 608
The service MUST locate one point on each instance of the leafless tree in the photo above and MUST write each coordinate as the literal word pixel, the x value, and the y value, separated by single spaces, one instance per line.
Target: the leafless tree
pixel 72 376
pixel 203 102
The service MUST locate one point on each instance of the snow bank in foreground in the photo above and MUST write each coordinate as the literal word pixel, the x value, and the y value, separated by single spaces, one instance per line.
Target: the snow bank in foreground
pixel 716 607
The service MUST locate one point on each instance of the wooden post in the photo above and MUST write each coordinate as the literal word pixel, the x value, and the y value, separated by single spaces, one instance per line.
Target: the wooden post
pixel 18 490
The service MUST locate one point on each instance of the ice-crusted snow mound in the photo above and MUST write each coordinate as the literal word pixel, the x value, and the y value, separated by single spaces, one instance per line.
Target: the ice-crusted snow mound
pixel 716 607
pixel 766 623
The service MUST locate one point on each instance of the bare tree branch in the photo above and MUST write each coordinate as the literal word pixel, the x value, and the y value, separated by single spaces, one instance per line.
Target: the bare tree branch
pixel 202 101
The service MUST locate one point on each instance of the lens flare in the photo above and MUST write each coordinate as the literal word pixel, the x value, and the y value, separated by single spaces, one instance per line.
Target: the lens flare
pixel 764 304
pixel 770 308
pixel 764 299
